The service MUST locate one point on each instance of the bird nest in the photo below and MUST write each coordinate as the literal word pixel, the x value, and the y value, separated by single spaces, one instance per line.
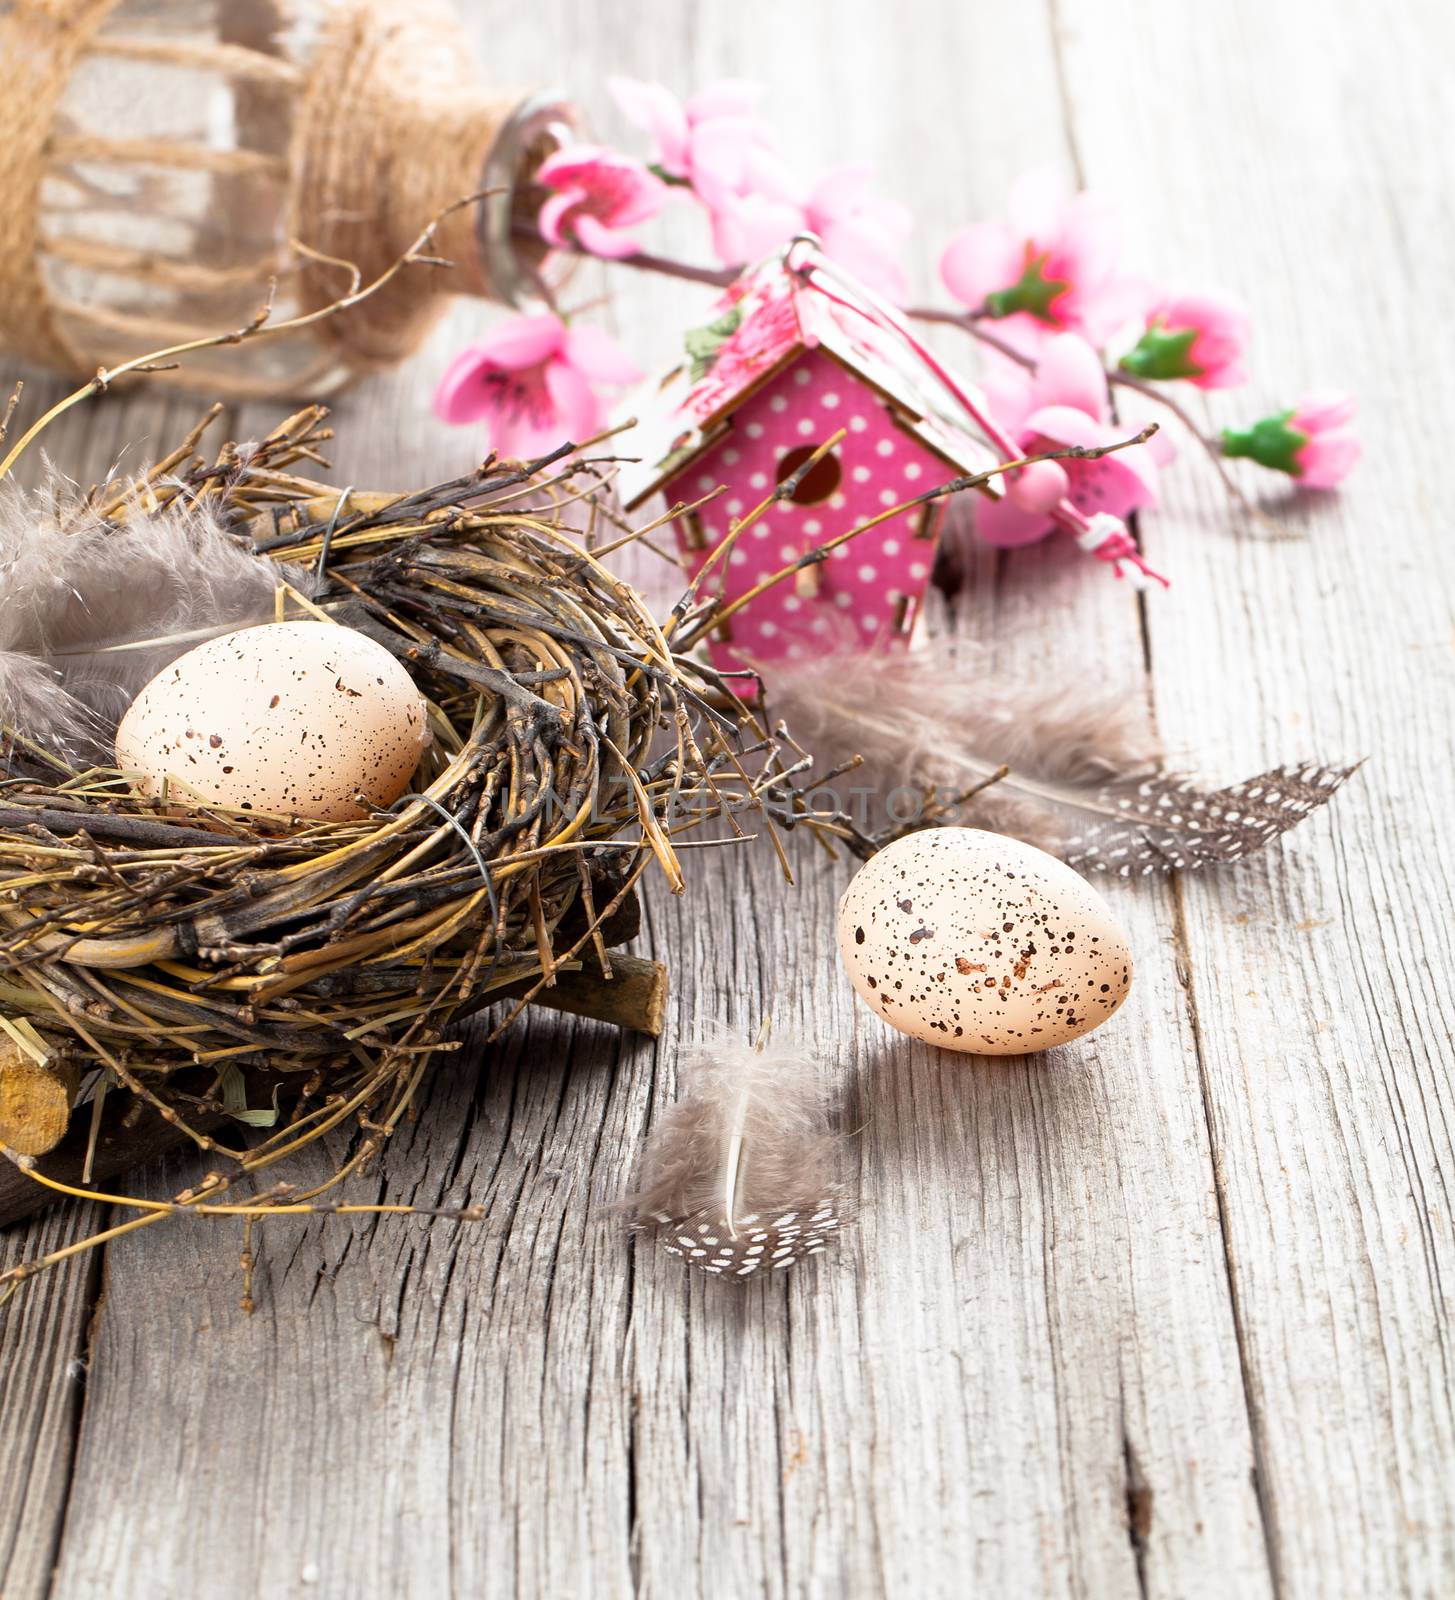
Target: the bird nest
pixel 213 964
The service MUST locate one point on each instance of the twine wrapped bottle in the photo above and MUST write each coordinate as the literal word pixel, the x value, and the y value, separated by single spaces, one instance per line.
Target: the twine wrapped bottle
pixel 157 158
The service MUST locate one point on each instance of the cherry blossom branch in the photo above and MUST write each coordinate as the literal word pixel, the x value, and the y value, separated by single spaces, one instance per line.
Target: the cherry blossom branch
pixel 1054 261
pixel 973 323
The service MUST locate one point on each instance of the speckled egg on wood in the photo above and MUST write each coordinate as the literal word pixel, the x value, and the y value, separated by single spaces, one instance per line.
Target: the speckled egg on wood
pixel 977 942
pixel 288 718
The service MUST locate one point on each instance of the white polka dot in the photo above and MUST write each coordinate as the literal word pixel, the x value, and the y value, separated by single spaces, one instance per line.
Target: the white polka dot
pixel 857 424
pixel 789 552
pixel 735 508
pixel 867 574
pixel 812 526
pixel 912 469
pixel 803 375
pixel 806 425
pixel 894 596
pixel 918 570
pixel 819 625
pixel 795 652
pixel 761 530
pixel 842 599
pixel 768 629
pixel 890 547
pixel 861 474
pixel 739 557
pixel 837 502
pixel 885 447
pixel 754 430
pixel 869 624
pixel 840 552
pixel 706 481
pixel 791 602
pixel 887 497
pixel 828 401
pixel 759 480
pixel 778 403
pixel 731 457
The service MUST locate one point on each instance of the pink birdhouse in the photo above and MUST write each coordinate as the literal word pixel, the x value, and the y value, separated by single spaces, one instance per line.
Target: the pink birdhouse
pixel 798 351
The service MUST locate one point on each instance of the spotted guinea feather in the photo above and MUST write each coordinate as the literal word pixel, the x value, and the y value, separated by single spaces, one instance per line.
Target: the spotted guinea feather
pixel 1085 779
pixel 740 1175
pixel 91 609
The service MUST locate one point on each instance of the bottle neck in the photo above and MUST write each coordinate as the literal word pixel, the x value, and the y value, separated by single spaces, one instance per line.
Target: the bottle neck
pixel 395 128
pixel 513 256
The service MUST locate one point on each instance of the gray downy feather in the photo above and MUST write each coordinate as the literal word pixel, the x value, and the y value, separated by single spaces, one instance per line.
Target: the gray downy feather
pixel 1086 779
pixel 74 587
pixel 750 1125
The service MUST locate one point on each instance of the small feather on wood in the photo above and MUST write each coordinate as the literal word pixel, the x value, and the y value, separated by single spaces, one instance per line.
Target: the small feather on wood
pixel 740 1175
pixel 1065 766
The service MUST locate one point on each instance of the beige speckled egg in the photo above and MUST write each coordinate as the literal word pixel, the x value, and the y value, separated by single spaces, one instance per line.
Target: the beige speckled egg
pixel 977 942
pixel 289 718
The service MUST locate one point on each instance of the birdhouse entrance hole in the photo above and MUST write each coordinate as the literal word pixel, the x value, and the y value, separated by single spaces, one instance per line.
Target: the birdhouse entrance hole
pixel 819 482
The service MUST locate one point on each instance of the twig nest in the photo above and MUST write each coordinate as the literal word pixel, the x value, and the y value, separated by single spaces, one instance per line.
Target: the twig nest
pixel 977 942
pixel 288 719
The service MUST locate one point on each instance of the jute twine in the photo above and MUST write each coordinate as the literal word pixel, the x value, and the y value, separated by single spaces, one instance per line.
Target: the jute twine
pixel 389 127
pixel 393 128
pixel 40 42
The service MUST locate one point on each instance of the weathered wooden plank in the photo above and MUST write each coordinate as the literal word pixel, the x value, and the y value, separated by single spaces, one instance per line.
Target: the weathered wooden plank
pixel 46 1328
pixel 1324 1021
pixel 974 1401
pixel 1032 1349
pixel 43 1335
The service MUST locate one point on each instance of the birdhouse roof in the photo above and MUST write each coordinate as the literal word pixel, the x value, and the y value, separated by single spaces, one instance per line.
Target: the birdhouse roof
pixel 794 301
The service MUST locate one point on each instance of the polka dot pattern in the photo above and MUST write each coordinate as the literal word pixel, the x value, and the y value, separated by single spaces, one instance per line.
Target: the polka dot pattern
pixel 861 587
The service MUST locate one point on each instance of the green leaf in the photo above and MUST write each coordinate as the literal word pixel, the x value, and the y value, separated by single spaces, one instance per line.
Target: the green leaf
pixel 234 1090
pixel 1270 442
pixel 1162 355
pixel 256 1119
pixel 702 344
pixel 1033 292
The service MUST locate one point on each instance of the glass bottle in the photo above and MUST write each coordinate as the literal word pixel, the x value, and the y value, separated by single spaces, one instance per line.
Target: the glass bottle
pixel 174 152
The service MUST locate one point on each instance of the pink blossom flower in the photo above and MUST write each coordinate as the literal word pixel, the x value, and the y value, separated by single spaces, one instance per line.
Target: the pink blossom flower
pixel 598 194
pixel 750 222
pixel 1052 266
pixel 1064 402
pixel 530 381
pixel 705 141
pixel 1201 337
pixel 862 232
pixel 715 145
pixel 1312 441
pixel 1331 448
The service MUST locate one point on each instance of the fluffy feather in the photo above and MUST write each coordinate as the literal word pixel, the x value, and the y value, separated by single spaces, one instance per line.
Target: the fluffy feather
pixel 74 586
pixel 1085 781
pixel 740 1174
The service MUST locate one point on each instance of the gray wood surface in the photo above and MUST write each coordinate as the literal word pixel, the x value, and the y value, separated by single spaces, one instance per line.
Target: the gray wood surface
pixel 1165 1313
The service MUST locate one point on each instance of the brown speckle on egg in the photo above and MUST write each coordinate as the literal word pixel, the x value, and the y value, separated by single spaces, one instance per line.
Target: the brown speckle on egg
pixel 1055 964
